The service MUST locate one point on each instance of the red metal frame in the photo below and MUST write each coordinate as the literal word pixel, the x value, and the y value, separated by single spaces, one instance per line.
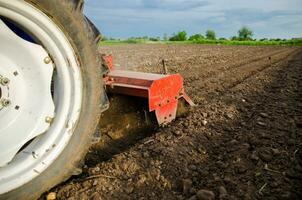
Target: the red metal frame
pixel 162 91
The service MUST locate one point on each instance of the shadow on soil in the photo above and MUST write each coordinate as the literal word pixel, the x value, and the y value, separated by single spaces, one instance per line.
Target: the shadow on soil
pixel 125 123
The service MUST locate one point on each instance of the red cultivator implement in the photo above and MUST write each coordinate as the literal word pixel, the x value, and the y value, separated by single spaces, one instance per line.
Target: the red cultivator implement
pixel 162 91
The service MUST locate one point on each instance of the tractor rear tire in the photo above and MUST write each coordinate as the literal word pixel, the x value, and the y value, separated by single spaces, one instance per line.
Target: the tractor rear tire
pixel 67 14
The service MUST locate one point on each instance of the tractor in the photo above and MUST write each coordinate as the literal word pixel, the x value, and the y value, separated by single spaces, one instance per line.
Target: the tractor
pixel 54 85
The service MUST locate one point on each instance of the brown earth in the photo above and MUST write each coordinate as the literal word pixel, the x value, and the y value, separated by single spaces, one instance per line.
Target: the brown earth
pixel 243 140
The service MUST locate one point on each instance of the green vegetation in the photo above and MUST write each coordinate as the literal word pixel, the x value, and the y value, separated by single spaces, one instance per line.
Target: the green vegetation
pixel 245 34
pixel 196 37
pixel 244 37
pixel 211 35
pixel 292 42
pixel 180 36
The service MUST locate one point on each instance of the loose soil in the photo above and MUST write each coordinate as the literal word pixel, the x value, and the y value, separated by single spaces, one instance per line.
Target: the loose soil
pixel 243 140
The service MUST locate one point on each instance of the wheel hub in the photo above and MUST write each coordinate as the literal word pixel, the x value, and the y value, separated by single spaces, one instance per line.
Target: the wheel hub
pixel 25 97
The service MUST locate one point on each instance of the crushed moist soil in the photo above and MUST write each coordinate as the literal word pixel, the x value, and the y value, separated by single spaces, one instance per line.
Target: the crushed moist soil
pixel 243 140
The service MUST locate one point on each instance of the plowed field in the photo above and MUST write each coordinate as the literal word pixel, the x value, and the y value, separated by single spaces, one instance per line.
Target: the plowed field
pixel 243 140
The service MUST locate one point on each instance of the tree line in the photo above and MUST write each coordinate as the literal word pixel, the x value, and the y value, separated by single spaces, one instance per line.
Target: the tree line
pixel 244 37
pixel 244 34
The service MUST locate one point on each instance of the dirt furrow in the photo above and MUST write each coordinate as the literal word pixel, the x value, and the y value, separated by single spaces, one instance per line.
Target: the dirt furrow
pixel 265 67
pixel 213 70
pixel 224 80
pixel 236 64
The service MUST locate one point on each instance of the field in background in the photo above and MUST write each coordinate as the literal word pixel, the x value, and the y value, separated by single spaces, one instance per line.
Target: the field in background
pixel 292 42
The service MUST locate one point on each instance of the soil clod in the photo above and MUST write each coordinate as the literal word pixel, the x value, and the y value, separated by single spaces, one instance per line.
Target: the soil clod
pixel 205 195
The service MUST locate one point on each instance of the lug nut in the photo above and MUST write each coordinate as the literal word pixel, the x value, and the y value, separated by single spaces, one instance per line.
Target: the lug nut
pixel 4 81
pixel 47 60
pixel 48 120
pixel 5 102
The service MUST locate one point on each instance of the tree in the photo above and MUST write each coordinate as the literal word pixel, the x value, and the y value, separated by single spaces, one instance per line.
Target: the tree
pixel 245 33
pixel 234 38
pixel 174 37
pixel 196 37
pixel 180 36
pixel 154 39
pixel 211 35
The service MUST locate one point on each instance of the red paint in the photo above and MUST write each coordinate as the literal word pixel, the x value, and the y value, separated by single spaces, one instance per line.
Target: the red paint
pixel 162 91
pixel 108 61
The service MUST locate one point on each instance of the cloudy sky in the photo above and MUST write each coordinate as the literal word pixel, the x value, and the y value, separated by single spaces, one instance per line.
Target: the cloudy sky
pixel 126 18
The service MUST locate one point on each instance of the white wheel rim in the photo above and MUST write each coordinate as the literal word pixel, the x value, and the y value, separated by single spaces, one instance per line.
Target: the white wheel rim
pixel 43 150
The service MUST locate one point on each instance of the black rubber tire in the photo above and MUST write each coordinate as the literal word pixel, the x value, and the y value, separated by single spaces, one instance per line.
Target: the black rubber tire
pixel 72 22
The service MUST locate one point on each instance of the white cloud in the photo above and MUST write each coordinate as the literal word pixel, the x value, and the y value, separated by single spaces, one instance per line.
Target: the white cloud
pixel 125 18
